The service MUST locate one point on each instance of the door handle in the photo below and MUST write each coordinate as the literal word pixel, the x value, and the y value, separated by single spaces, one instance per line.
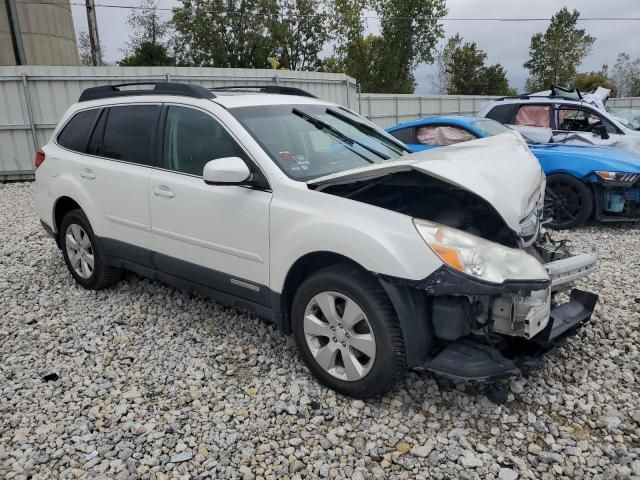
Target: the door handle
pixel 163 191
pixel 87 174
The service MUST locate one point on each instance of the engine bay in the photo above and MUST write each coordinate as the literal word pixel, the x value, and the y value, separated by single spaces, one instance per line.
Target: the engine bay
pixel 420 196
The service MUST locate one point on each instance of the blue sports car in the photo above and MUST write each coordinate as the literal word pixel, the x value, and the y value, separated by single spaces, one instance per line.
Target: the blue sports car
pixel 582 181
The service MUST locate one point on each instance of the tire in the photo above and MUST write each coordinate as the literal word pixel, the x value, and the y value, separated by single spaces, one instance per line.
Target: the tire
pixel 76 237
pixel 568 201
pixel 375 330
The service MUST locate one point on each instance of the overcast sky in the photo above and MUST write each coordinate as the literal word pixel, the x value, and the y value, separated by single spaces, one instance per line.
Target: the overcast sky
pixel 505 42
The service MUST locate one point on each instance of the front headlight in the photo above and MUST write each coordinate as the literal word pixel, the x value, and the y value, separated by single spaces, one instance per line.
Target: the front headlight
pixel 621 179
pixel 478 257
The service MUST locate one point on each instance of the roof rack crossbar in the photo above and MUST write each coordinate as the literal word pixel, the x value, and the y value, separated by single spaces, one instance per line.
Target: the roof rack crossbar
pixel 159 88
pixel 275 89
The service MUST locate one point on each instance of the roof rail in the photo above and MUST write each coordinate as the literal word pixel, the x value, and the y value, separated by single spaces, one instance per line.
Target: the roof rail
pixel 524 97
pixel 276 89
pixel 159 88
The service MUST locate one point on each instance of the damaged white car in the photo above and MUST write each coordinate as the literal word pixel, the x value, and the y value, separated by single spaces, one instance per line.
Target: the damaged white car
pixel 309 215
pixel 573 117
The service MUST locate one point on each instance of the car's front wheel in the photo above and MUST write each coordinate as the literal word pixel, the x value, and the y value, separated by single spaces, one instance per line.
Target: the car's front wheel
pixel 568 202
pixel 347 332
pixel 83 255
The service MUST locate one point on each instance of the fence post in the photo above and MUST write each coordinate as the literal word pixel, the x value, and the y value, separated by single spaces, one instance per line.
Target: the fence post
pixel 359 98
pixel 32 123
pixel 370 115
pixel 346 82
pixel 420 109
pixel 397 107
pixel 275 79
pixel 167 77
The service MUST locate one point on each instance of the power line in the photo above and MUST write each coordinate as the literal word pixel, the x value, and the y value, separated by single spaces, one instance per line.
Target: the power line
pixel 367 17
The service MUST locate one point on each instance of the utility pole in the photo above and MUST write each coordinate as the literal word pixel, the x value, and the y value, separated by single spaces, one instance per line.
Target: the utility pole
pixel 16 34
pixel 94 39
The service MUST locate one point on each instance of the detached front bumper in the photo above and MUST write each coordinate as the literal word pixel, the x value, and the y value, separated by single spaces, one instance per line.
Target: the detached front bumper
pixel 469 359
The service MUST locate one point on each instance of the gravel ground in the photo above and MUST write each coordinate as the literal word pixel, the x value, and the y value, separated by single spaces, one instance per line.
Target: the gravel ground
pixel 143 381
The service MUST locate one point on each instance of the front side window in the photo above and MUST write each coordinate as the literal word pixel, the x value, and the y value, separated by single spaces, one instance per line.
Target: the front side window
pixel 75 134
pixel 192 138
pixel 309 141
pixel 442 135
pixel 581 120
pixel 533 116
pixel 129 133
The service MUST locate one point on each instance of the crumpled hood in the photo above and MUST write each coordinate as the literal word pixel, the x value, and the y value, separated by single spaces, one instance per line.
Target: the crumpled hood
pixel 500 169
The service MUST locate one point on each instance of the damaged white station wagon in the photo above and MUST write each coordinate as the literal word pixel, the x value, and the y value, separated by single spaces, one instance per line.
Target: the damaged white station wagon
pixel 314 218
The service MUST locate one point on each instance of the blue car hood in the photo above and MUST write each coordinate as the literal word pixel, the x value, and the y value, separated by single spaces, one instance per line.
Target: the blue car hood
pixel 587 159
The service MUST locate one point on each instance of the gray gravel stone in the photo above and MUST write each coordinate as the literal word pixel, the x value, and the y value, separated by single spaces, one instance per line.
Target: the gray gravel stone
pixel 161 384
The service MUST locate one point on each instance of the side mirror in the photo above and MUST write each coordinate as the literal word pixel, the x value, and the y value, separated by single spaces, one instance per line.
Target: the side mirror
pixel 226 171
pixel 600 130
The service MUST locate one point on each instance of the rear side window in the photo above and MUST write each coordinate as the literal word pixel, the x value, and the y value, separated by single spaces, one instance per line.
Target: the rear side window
pixel 129 133
pixel 75 134
pixel 95 142
pixel 502 113
pixel 533 116
pixel 405 135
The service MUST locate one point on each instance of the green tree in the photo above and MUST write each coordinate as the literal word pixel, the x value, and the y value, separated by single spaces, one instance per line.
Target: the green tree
pixel 225 33
pixel 84 49
pixel 300 33
pixel 148 54
pixel 555 55
pixel 441 80
pixel 468 74
pixel 148 44
pixel 410 31
pixel 626 75
pixel 384 63
pixel 585 82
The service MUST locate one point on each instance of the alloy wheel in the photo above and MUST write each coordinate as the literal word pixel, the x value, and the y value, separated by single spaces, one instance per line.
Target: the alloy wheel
pixel 562 202
pixel 339 336
pixel 79 250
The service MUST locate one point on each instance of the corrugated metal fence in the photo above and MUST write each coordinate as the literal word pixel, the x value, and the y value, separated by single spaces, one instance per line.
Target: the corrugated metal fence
pixel 386 110
pixel 33 98
pixel 627 102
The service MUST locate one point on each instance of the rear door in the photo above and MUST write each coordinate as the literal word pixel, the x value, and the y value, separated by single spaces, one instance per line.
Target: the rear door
pixel 213 235
pixel 114 173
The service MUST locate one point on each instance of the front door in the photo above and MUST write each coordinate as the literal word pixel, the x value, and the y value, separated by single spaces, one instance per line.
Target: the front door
pixel 216 236
pixel 584 124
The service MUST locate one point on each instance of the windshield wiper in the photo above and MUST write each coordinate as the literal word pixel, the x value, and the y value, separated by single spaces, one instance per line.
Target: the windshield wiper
pixel 363 127
pixel 320 124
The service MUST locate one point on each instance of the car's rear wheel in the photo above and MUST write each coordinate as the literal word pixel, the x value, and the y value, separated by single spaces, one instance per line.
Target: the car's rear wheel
pixel 82 253
pixel 568 202
pixel 347 332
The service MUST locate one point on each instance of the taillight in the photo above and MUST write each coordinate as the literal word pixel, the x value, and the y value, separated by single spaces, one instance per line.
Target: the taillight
pixel 39 158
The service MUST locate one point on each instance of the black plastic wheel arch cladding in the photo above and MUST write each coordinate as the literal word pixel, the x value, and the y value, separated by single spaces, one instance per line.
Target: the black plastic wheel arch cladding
pixel 412 308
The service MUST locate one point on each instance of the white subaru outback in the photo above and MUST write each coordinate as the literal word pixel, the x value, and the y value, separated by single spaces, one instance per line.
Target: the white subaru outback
pixel 309 215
